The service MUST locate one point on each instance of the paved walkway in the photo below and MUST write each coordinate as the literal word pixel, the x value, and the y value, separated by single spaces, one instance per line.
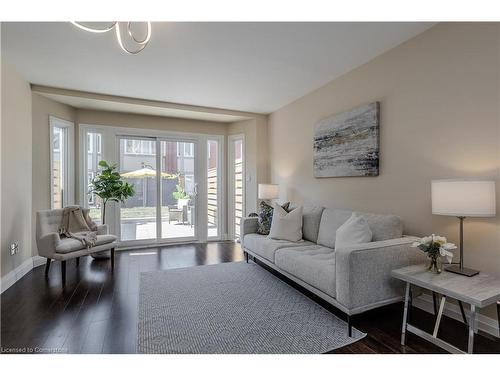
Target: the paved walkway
pixel 147 230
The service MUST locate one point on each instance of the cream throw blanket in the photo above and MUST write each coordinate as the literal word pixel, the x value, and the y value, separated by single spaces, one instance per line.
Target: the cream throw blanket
pixel 75 225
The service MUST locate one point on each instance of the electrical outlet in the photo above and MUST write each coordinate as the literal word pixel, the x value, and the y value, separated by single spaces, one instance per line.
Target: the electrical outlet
pixel 14 248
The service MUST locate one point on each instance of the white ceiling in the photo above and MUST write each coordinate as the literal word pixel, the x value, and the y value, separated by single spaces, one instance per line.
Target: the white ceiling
pixel 253 67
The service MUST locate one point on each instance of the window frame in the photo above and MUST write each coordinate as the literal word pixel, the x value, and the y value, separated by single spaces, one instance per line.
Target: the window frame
pixel 68 196
pixel 86 135
pixel 231 206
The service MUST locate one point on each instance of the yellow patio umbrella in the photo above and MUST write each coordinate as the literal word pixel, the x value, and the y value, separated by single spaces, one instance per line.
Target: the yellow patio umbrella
pixel 146 172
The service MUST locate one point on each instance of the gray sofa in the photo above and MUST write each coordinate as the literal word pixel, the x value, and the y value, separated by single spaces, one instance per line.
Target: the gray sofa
pixel 354 279
pixel 52 247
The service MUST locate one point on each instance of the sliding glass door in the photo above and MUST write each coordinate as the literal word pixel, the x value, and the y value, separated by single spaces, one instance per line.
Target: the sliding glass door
pixel 178 189
pixel 178 181
pixel 162 172
pixel 138 215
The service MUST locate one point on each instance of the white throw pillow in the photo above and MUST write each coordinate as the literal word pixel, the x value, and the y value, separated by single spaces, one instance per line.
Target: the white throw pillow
pixel 286 225
pixel 354 231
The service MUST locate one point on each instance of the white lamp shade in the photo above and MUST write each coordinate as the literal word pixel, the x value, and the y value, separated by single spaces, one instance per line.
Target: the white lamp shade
pixel 268 191
pixel 474 198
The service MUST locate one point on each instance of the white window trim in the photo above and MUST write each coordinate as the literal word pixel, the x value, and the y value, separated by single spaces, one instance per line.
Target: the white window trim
pixel 231 203
pixel 221 172
pixel 69 188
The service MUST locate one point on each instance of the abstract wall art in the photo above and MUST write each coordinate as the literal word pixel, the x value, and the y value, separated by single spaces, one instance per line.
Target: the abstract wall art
pixel 347 144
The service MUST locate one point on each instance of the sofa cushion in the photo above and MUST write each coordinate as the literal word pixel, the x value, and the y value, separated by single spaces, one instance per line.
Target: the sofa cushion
pixel 286 225
pixel 354 231
pixel 311 217
pixel 331 220
pixel 383 227
pixel 266 247
pixel 314 265
pixel 266 216
pixel 68 245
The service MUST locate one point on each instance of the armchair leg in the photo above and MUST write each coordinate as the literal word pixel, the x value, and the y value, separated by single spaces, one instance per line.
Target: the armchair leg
pixel 47 266
pixel 77 261
pixel 113 258
pixel 63 271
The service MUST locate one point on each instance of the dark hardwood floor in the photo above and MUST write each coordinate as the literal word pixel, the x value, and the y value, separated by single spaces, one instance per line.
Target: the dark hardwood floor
pixel 96 312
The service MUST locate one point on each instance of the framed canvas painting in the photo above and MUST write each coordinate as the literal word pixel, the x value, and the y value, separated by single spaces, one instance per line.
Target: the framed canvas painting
pixel 347 144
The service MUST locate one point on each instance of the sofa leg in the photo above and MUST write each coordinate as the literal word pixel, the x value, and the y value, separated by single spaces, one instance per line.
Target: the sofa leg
pixel 349 326
pixel 246 256
pixel 47 266
pixel 113 258
pixel 63 271
pixel 77 261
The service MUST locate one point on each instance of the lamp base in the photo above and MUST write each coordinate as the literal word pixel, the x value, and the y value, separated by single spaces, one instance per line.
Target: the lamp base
pixel 462 271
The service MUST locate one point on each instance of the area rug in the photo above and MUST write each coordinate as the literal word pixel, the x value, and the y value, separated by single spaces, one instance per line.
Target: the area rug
pixel 232 308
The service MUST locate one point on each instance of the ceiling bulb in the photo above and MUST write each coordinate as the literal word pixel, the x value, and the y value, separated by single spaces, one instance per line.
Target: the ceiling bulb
pixel 141 44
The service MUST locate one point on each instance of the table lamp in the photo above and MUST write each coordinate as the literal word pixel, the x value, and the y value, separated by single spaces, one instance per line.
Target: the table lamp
pixel 268 191
pixel 463 198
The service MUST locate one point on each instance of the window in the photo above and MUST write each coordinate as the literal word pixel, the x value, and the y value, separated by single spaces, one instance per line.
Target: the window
pixel 139 147
pixel 236 171
pixel 185 149
pixel 93 157
pixel 61 163
pixel 213 189
pixel 188 150
pixel 98 143
pixel 90 143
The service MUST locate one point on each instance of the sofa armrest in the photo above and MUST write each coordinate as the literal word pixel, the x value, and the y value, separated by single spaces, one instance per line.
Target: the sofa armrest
pixel 248 225
pixel 47 244
pixel 363 272
pixel 103 229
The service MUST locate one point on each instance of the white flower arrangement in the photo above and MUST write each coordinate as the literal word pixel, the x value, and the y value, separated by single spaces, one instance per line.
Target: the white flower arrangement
pixel 436 246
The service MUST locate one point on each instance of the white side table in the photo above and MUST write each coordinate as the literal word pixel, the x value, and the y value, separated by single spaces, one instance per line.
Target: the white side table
pixel 479 291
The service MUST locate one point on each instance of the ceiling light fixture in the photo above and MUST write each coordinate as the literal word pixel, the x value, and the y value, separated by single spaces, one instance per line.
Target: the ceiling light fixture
pixel 141 44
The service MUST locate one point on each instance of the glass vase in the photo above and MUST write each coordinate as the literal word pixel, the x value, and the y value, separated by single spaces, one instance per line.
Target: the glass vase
pixel 435 265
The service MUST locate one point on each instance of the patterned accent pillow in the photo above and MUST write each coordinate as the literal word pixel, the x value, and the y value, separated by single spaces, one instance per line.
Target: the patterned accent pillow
pixel 266 217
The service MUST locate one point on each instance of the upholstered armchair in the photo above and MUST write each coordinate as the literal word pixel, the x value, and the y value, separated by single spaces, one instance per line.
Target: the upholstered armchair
pixel 53 247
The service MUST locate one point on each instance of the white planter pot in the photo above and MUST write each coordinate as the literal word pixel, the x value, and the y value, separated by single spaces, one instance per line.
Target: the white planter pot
pixel 182 202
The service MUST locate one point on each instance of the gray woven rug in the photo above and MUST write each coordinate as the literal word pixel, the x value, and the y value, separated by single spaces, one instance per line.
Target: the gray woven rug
pixel 232 308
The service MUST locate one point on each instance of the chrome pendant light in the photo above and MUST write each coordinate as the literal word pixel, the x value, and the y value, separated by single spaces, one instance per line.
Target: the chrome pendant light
pixel 141 44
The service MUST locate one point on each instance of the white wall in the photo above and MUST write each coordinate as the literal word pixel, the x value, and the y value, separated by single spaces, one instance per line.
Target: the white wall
pixel 16 164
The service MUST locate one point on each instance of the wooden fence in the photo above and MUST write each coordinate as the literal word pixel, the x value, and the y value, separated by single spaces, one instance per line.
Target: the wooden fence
pixel 212 197
pixel 238 195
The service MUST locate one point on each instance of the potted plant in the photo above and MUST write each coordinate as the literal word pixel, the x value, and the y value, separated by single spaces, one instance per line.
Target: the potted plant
pixel 108 185
pixel 181 196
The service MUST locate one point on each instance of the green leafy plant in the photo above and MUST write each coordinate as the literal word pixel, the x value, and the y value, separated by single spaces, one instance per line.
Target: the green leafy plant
pixel 109 186
pixel 180 193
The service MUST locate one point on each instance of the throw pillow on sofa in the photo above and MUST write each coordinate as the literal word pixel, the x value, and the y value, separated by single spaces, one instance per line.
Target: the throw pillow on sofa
pixel 354 231
pixel 286 225
pixel 266 216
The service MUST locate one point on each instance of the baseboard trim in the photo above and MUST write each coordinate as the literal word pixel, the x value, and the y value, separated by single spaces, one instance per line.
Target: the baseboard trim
pixel 38 261
pixel 16 274
pixel 485 324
